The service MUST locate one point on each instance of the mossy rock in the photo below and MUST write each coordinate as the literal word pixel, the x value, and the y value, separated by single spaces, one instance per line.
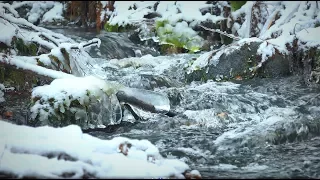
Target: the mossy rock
pixel 239 64
pixel 20 79
pixel 91 113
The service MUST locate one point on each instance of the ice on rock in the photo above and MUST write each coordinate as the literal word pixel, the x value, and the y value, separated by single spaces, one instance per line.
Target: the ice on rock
pixel 153 101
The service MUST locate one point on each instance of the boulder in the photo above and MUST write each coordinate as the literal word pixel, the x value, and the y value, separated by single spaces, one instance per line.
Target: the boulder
pixel 238 62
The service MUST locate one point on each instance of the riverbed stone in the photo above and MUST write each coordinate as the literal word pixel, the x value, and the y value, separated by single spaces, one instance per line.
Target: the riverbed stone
pixel 239 63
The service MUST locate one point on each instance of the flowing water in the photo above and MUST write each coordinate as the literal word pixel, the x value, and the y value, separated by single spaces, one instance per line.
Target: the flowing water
pixel 259 128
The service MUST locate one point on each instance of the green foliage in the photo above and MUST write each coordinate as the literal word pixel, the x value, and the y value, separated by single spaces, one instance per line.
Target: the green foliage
pixel 61 113
pixel 167 35
pixel 111 28
pixel 24 49
pixel 116 28
pixel 235 5
pixel 161 23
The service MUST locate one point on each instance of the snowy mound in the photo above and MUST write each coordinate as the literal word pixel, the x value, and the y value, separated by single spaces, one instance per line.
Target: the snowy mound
pixel 67 152
pixel 67 101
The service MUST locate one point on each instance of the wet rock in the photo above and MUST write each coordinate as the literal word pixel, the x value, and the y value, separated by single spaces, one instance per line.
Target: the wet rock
pixel 238 63
pixel 19 84
pixel 175 96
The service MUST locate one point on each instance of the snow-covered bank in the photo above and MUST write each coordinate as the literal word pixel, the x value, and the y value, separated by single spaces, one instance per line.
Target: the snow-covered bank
pixel 67 152
pixel 69 100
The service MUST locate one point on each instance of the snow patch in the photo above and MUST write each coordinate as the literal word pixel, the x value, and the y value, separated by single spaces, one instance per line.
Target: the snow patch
pixel 54 14
pixel 30 147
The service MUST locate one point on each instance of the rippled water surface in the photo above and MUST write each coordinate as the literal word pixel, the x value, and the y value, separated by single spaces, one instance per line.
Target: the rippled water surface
pixel 261 128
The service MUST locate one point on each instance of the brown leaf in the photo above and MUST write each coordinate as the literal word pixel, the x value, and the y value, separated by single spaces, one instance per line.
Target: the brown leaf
pixel 124 148
pixel 8 114
pixel 188 175
pixel 238 78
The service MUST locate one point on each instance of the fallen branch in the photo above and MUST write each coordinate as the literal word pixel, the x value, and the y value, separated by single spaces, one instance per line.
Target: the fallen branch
pixel 11 10
pixel 223 33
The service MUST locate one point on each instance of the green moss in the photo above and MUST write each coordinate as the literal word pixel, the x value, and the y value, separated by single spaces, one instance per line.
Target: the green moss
pixel 66 55
pixel 39 63
pixel 116 28
pixel 33 48
pixel 161 23
pixel 235 5
pixel 16 79
pixel 55 61
pixel 111 28
pixel 23 48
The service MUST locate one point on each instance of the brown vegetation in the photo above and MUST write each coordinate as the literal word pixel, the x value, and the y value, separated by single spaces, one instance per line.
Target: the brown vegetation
pixel 88 13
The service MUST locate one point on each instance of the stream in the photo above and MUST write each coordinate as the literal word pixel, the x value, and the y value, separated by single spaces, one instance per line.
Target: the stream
pixel 258 128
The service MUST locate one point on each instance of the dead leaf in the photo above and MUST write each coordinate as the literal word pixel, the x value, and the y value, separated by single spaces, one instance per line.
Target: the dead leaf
pixel 238 78
pixel 188 175
pixel 124 148
pixel 8 114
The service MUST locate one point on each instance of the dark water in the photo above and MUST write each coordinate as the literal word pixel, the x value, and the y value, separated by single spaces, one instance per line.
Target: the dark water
pixel 262 128
pixel 118 43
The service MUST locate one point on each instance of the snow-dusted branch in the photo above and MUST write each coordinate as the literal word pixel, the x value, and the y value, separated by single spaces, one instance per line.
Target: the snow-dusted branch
pixel 82 45
pixel 267 24
pixel 223 33
pixel 10 9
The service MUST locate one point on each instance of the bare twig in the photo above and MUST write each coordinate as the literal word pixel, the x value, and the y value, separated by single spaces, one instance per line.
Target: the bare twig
pixel 223 33
pixel 86 45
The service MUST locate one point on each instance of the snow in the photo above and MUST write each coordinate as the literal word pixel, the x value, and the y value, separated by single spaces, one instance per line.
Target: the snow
pixel 7 29
pixel 64 91
pixel 38 9
pixel 19 63
pixel 29 35
pixel 123 16
pixel 244 31
pixel 101 158
pixel 187 12
pixel 75 86
pixel 54 14
pixel 310 36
